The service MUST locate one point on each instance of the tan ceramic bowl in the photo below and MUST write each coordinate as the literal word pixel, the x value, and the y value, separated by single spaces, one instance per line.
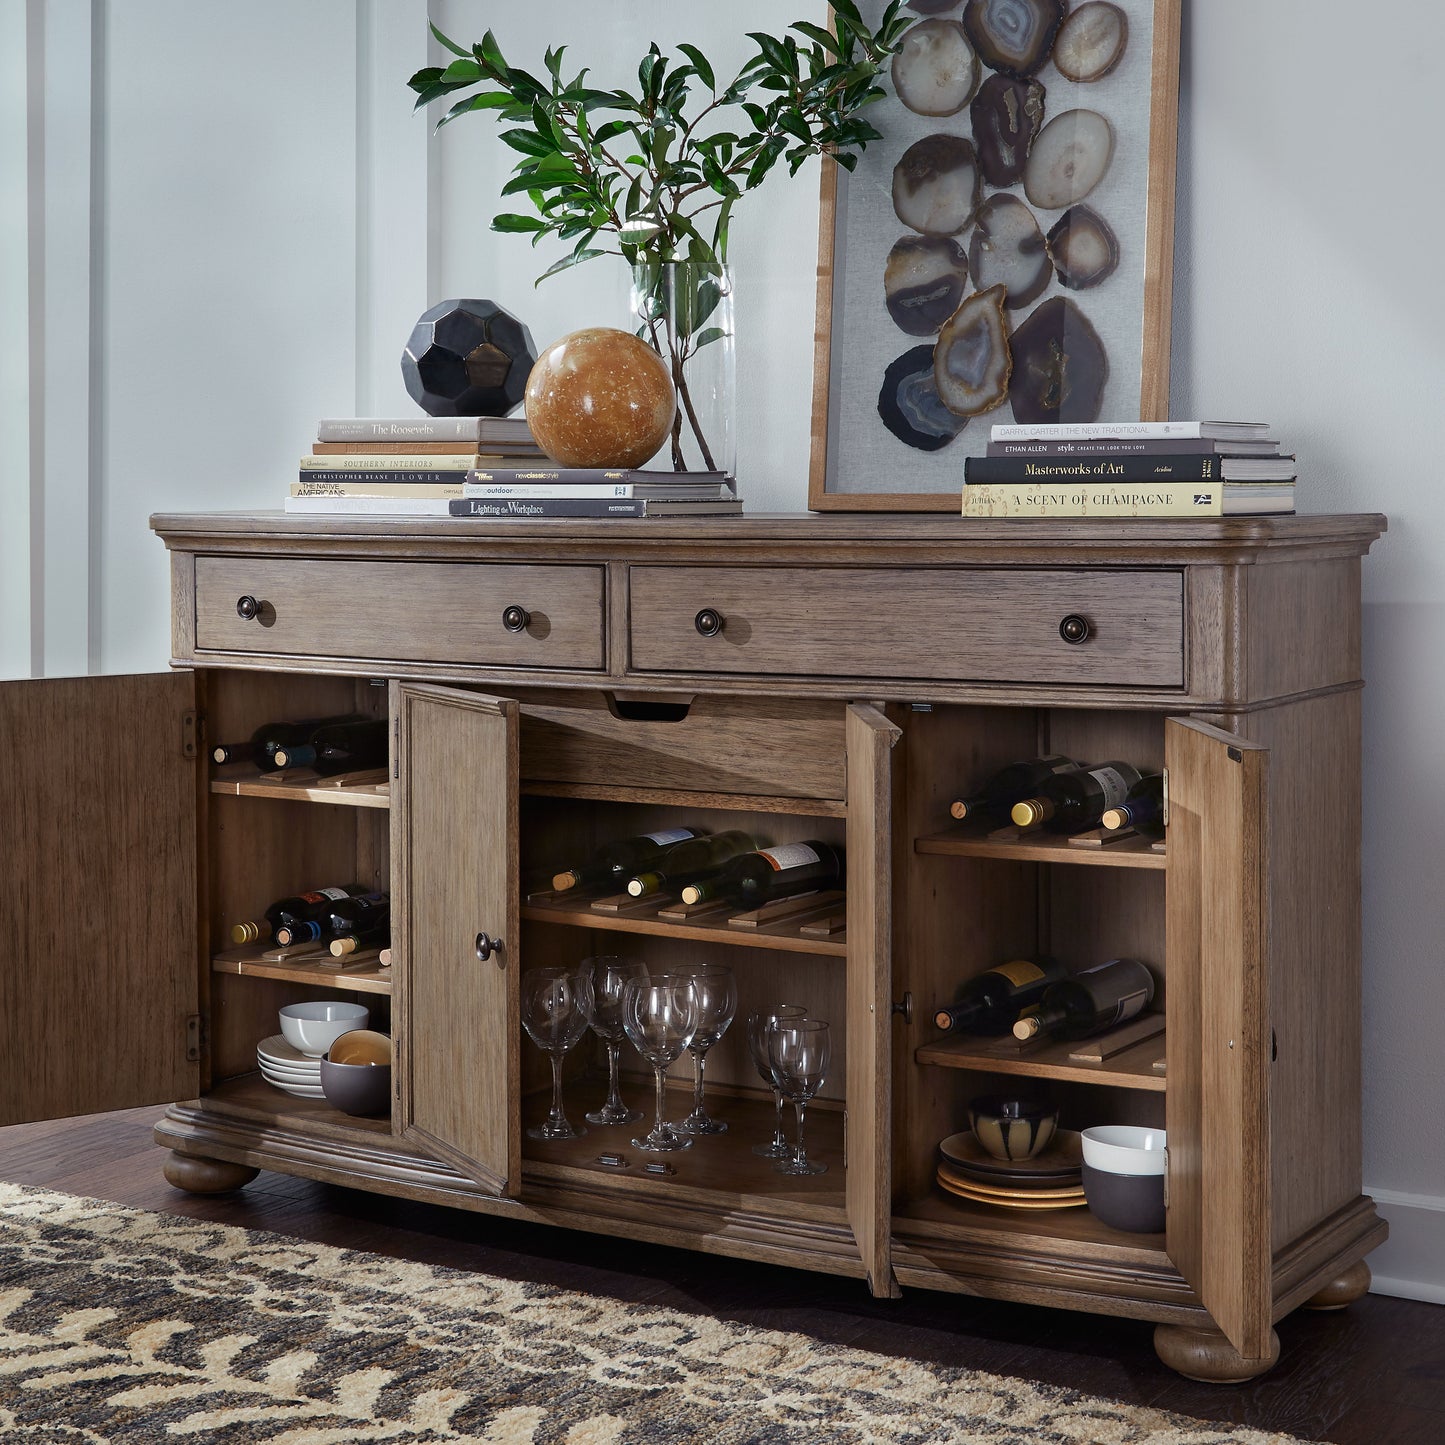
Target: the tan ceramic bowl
pixel 361 1046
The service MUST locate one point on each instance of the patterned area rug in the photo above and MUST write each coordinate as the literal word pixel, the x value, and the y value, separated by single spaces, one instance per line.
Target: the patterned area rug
pixel 118 1325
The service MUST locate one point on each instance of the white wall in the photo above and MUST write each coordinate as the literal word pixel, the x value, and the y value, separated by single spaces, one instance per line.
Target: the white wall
pixel 218 223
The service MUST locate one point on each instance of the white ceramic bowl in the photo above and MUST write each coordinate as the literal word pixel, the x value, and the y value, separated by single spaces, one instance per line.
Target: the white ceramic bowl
pixel 313 1027
pixel 1124 1149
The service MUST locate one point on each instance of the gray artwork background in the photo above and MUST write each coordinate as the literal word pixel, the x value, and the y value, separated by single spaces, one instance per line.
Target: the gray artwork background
pixel 863 455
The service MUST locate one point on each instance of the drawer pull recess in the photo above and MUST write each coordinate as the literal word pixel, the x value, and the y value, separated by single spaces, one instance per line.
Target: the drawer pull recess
pixel 1075 628
pixel 515 619
pixel 709 622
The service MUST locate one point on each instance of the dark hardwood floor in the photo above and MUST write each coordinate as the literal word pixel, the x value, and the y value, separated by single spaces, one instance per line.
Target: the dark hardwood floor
pixel 1371 1375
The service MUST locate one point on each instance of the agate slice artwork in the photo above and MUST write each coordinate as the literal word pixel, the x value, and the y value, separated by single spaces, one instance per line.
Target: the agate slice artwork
pixel 994 256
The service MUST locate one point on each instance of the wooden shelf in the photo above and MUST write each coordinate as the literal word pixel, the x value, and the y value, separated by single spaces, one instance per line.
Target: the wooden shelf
pixel 249 1096
pixel 360 973
pixel 682 798
pixel 301 785
pixel 811 924
pixel 947 1216
pixel 1126 851
pixel 1133 1067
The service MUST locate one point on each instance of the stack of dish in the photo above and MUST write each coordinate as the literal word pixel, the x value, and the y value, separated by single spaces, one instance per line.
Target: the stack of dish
pixel 288 1068
pixel 1052 1179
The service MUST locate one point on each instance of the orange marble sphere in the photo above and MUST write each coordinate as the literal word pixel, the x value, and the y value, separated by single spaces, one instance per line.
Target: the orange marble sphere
pixel 600 398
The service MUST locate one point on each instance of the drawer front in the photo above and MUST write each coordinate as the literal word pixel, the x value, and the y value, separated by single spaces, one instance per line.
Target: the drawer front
pixel 779 747
pixel 402 611
pixel 987 625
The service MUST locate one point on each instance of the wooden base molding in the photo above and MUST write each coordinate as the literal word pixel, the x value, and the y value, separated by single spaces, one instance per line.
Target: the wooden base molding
pixel 198 1175
pixel 1206 1355
pixel 1341 1292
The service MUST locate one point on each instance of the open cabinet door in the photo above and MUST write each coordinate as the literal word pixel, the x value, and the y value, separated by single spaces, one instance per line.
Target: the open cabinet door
pixel 1217 1041
pixel 99 953
pixel 455 930
pixel 870 740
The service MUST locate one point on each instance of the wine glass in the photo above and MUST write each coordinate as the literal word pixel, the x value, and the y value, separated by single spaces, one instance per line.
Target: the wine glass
pixel 659 1015
pixel 798 1051
pixel 759 1024
pixel 555 1006
pixel 717 1002
pixel 609 973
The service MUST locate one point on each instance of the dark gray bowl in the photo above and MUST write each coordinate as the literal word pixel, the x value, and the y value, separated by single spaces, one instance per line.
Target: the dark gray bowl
pixel 360 1089
pixel 1133 1202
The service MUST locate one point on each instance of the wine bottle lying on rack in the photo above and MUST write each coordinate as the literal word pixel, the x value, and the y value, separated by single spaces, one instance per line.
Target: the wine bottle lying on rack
pixel 614 863
pixel 261 748
pixel 1077 801
pixel 1011 785
pixel 990 1003
pixel 1142 809
pixel 285 916
pixel 692 861
pixel 361 912
pixel 1089 1001
pixel 346 747
pixel 753 879
pixel 378 935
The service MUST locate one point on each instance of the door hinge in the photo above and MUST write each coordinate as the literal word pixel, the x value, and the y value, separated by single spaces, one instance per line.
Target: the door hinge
pixel 195 1038
pixel 190 732
pixel 1166 1176
pixel 845 1139
pixel 396 747
pixel 1164 798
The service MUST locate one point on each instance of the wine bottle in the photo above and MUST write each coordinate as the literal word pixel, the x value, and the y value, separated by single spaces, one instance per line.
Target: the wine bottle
pixel 261 748
pixel 375 936
pixel 280 917
pixel 1011 785
pixel 1073 802
pixel 624 858
pixel 990 1002
pixel 1142 809
pixel 753 879
pixel 339 748
pixel 366 914
pixel 1090 1001
pixel 690 861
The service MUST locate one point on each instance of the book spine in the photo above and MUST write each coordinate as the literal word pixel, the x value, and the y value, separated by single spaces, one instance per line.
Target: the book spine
pixel 535 476
pixel 542 491
pixel 383 429
pixel 1093 500
pixel 1148 467
pixel 407 506
pixel 390 477
pixel 308 488
pixel 464 447
pixel 1108 447
pixel 456 462
pixel 554 507
pixel 1081 430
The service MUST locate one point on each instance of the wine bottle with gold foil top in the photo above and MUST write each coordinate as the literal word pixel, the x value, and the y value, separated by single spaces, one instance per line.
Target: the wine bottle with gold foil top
pixel 990 1002
pixel 1142 809
pixel 691 861
pixel 1089 1001
pixel 753 879
pixel 623 858
pixel 1010 785
pixel 283 920
pixel 1076 801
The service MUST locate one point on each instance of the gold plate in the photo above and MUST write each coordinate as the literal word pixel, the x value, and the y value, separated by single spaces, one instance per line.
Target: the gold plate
pixel 1003 1191
pixel 966 1192
pixel 1062 1160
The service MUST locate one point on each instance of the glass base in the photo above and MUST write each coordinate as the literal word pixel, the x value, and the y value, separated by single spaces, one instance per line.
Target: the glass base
pixel 555 1130
pixel 702 1123
pixel 775 1150
pixel 663 1141
pixel 795 1165
pixel 610 1115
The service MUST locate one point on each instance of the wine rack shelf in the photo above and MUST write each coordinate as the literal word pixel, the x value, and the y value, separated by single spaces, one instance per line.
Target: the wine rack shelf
pixel 352 790
pixel 1137 1065
pixel 814 923
pixel 1128 850
pixel 360 973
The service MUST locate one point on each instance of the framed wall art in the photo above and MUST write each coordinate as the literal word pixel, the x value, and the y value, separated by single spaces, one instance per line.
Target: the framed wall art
pixel 1004 252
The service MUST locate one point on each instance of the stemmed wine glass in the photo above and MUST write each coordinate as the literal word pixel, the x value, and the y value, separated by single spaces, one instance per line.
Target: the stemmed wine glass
pixel 717 1002
pixel 798 1051
pixel 555 1006
pixel 759 1024
pixel 609 973
pixel 659 1015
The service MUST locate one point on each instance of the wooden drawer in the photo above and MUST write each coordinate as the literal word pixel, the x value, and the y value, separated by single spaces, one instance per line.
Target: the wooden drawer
pixel 762 746
pixel 404 611
pixel 977 624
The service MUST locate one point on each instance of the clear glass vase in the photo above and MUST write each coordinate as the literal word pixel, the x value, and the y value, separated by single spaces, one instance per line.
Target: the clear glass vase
pixel 684 311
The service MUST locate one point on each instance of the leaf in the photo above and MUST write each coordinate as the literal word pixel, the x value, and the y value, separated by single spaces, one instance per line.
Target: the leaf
pixel 701 65
pixel 450 44
pixel 707 337
pixel 568 261
pixel 488 50
pixel 611 128
pixel 462 72
pixel 825 38
pixel 509 221
pixel 529 142
pixel 772 49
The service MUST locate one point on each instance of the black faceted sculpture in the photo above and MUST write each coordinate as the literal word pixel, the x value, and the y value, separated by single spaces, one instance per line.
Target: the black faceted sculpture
pixel 467 358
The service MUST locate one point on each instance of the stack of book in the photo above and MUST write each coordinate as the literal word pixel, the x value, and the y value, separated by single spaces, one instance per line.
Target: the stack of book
pixel 1130 469
pixel 480 466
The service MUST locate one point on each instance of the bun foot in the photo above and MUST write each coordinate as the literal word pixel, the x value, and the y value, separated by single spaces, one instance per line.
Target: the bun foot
pixel 1342 1291
pixel 197 1175
pixel 1206 1355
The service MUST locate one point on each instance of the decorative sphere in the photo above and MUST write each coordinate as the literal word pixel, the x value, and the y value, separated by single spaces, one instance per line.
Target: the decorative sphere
pixel 467 358
pixel 600 398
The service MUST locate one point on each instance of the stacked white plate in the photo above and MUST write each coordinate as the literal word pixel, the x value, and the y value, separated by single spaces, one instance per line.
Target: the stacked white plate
pixel 288 1069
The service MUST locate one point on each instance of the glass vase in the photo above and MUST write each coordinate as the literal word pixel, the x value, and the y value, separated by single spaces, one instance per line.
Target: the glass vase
pixel 684 311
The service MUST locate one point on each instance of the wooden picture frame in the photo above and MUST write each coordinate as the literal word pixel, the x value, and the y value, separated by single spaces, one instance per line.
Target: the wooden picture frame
pixel 841 386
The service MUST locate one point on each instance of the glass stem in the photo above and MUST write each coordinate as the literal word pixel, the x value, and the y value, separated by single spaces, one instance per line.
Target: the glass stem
pixel 558 1117
pixel 801 1107
pixel 657 1128
pixel 780 1139
pixel 698 1060
pixel 614 1094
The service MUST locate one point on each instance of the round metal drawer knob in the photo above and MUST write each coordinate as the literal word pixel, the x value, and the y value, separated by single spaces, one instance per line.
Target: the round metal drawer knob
pixel 1075 628
pixel 515 619
pixel 247 607
pixel 709 622
pixel 489 947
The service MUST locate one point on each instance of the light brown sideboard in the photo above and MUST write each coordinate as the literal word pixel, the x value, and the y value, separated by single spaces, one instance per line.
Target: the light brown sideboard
pixel 552 684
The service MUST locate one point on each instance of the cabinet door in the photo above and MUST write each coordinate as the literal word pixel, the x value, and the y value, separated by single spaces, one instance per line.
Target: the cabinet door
pixel 870 740
pixel 99 975
pixel 1217 1042
pixel 455 931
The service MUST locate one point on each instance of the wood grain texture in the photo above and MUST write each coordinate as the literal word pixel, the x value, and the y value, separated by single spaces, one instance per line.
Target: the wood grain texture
pixel 1218 1028
pixel 871 737
pixel 1159 211
pixel 1320 648
pixel 1209 1355
pixel 98 894
pixel 454 842
pixel 990 624
pixel 1130 1069
pixel 412 611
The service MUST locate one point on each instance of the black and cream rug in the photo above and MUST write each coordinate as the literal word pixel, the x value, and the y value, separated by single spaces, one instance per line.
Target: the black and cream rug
pixel 118 1325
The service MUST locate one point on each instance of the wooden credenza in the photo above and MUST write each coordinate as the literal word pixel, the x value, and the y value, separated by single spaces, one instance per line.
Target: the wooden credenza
pixel 553 684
